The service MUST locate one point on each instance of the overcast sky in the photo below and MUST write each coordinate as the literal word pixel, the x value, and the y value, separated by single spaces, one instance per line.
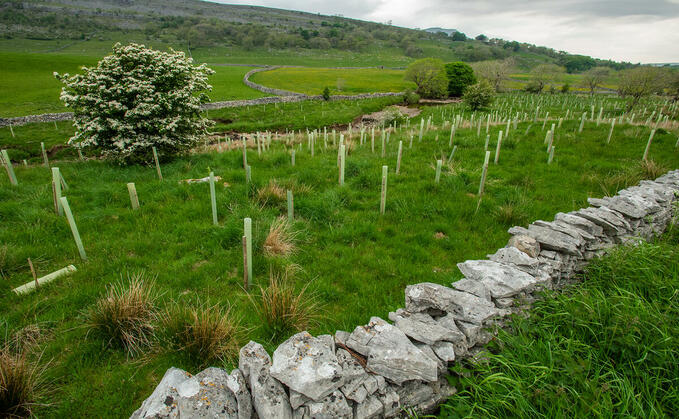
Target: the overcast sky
pixel 624 30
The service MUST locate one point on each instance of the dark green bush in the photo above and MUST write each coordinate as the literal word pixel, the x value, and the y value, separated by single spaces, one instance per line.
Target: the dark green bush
pixel 460 75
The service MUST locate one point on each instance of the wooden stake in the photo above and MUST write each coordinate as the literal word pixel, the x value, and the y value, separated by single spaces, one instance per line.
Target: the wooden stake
pixel 56 184
pixel 8 166
pixel 383 195
pixel 74 227
pixel 246 282
pixel 483 173
pixel 452 154
pixel 155 158
pixel 245 154
pixel 291 206
pixel 134 199
pixel 342 164
pixel 247 227
pixel 551 155
pixel 648 144
pixel 497 149
pixel 44 155
pixel 35 276
pixel 30 286
pixel 11 130
pixel 213 199
pixel 398 159
pixel 610 133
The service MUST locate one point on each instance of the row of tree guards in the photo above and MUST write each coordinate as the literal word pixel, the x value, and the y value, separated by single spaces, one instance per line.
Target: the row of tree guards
pixel 59 185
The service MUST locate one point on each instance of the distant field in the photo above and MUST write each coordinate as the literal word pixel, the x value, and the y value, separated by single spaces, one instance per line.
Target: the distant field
pixel 27 84
pixel 312 81
pixel 520 80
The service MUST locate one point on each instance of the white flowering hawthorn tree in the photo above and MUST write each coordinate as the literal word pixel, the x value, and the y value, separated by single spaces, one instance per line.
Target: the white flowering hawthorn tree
pixel 135 99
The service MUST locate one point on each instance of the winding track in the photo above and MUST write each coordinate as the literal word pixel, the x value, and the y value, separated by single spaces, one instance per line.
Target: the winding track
pixel 281 96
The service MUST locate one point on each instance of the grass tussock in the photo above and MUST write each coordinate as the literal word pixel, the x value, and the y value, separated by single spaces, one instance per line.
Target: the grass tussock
pixel 21 384
pixel 203 333
pixel 605 347
pixel 281 239
pixel 126 315
pixel 283 309
pixel 650 169
pixel 271 194
pixel 513 212
pixel 631 175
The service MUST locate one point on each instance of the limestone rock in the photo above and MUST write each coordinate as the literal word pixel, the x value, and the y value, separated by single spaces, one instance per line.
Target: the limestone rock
pixel 500 279
pixel 332 406
pixel 236 383
pixel 205 395
pixel 390 353
pixel 581 223
pixel 513 256
pixel 421 327
pixel 445 351
pixel 612 223
pixel 460 342
pixel 473 287
pixel 370 408
pixel 307 365
pixel 162 403
pixel 526 244
pixel 428 296
pixel 475 333
pixel 269 398
pixel 554 240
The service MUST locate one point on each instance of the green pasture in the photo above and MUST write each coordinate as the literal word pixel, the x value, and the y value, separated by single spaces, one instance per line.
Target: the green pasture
pixel 312 81
pixel 353 261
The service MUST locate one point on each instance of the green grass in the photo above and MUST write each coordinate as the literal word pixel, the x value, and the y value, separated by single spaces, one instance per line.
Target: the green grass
pixel 354 261
pixel 28 86
pixel 606 347
pixel 312 81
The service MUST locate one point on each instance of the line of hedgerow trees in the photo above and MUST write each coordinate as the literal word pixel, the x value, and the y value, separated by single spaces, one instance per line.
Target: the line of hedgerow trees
pixel 478 82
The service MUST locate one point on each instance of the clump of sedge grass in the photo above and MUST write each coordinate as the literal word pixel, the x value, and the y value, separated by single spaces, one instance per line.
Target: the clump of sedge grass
pixel 281 239
pixel 272 193
pixel 125 316
pixel 651 170
pixel 512 213
pixel 21 384
pixel 203 333
pixel 283 309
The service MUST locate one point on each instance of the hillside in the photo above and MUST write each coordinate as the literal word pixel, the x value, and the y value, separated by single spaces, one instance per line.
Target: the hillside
pixel 245 33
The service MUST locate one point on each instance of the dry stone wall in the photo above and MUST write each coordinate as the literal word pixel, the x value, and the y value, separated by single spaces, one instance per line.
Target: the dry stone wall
pixel 392 369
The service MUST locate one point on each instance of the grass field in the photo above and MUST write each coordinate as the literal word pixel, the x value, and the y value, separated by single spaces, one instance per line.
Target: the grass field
pixel 312 81
pixel 353 261
pixel 28 85
pixel 606 347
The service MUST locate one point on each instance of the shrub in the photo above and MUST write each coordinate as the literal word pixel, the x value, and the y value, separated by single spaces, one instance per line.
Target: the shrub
pixel 326 93
pixel 281 239
pixel 479 95
pixel 411 98
pixel 460 75
pixel 125 316
pixel 203 334
pixel 135 99
pixel 21 384
pixel 534 87
pixel 282 309
pixel 430 77
pixel 565 88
